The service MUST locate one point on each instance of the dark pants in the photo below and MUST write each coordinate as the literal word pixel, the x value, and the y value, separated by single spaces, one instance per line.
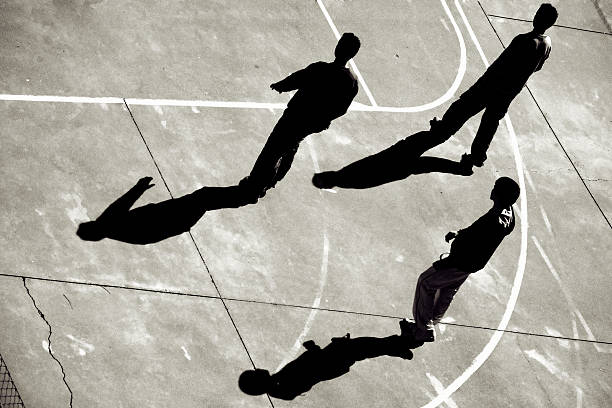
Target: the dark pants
pixel 480 96
pixel 434 293
pixel 276 157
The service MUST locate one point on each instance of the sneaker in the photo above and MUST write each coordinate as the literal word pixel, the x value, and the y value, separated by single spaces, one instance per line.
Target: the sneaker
pixel 407 328
pixel 323 180
pixel 478 161
pixel 465 165
pixel 435 124
pixel 426 336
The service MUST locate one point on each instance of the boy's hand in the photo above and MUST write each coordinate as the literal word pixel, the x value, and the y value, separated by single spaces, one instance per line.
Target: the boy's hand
pixel 450 236
pixel 275 87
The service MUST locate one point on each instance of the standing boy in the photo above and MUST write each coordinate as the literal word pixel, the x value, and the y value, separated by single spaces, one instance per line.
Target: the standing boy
pixel 324 93
pixel 498 86
pixel 470 251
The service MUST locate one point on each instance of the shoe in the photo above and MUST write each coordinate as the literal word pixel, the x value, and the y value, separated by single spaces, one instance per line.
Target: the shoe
pixel 426 336
pixel 435 124
pixel 254 193
pixel 323 180
pixel 478 161
pixel 465 165
pixel 407 328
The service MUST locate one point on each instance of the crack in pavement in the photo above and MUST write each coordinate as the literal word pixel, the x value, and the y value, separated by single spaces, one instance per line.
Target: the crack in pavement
pixel 41 314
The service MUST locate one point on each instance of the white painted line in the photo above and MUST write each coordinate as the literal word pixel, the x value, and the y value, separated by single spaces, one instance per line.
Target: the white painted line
pixel 194 104
pixel 315 305
pixel 520 270
pixel 578 397
pixel 351 62
pixel 65 99
pixel 439 387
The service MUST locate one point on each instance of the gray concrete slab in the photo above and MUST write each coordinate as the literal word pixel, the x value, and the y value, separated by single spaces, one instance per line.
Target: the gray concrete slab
pixel 221 50
pixel 126 348
pixel 298 244
pixel 25 349
pixel 355 250
pixel 524 371
pixel 574 91
pixel 585 14
pixel 398 57
pixel 560 208
pixel 63 164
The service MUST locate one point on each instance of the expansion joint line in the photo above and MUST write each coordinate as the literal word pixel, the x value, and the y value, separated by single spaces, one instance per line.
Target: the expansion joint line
pixel 147 146
pixel 289 305
pixel 194 243
pixel 552 130
pixel 42 315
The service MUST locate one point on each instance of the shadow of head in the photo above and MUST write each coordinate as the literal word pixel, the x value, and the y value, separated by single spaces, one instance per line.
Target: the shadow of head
pixel 90 231
pixel 255 382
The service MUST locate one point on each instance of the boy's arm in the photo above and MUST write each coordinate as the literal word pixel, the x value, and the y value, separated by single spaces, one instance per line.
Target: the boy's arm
pixel 293 81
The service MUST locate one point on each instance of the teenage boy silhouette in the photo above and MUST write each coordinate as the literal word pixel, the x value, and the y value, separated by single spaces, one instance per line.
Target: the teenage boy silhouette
pixel 470 251
pixel 498 86
pixel 325 90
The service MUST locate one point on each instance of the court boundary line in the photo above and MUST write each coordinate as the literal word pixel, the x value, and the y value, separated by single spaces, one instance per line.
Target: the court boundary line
pixel 355 106
pixel 104 286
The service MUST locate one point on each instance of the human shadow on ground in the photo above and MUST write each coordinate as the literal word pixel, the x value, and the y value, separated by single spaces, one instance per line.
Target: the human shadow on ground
pixel 157 221
pixel 392 164
pixel 318 364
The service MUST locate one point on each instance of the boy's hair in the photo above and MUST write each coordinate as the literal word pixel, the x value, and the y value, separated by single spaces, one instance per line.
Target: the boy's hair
pixel 545 17
pixel 506 191
pixel 348 45
pixel 254 382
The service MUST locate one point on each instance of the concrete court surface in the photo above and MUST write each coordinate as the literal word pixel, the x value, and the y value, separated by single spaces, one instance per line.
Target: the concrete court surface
pixel 92 324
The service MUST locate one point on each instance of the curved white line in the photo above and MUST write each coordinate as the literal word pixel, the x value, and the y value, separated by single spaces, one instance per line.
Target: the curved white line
pixel 351 62
pixel 520 270
pixel 447 95
pixel 355 106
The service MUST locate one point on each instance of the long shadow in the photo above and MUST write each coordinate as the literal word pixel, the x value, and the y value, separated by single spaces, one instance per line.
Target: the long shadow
pixel 392 164
pixel 318 364
pixel 157 221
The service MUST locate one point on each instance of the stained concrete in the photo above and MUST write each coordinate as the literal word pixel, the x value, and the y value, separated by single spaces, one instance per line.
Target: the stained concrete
pixel 356 252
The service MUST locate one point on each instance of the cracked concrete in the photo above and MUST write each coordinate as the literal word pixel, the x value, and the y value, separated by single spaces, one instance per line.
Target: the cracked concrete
pixel 42 316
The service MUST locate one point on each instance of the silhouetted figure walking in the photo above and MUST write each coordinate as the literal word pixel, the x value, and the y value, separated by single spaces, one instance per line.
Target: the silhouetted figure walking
pixel 318 364
pixel 394 163
pixel 498 86
pixel 156 221
pixel 470 251
pixel 324 93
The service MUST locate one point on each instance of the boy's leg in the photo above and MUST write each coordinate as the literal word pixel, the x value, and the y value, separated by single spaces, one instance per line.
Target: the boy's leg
pixel 423 308
pixel 469 104
pixel 494 112
pixel 283 165
pixel 443 300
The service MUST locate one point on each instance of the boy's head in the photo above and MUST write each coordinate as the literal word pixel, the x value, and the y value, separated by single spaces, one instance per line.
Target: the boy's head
pixel 347 47
pixel 545 17
pixel 255 382
pixel 90 231
pixel 505 192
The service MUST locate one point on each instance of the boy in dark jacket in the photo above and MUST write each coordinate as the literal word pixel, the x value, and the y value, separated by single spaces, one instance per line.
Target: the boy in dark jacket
pixel 470 251
pixel 324 93
pixel 498 86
